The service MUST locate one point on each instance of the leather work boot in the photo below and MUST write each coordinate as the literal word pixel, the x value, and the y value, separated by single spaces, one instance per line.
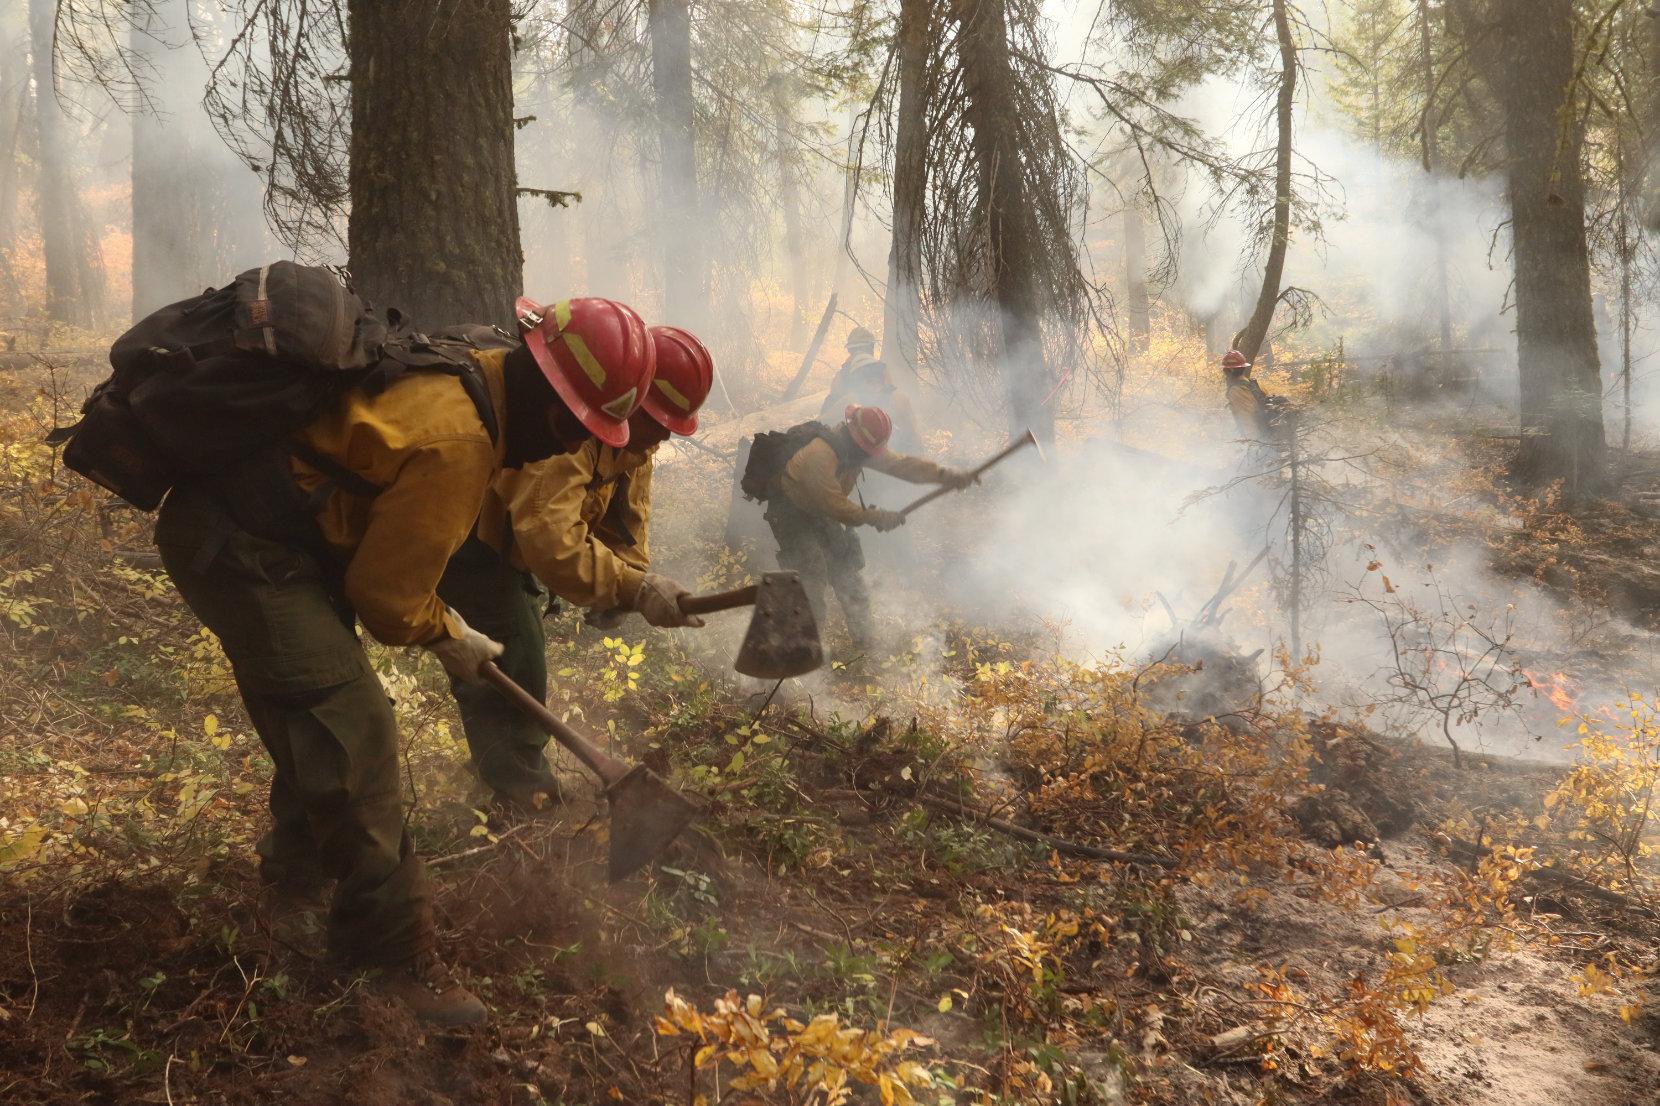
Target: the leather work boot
pixel 426 987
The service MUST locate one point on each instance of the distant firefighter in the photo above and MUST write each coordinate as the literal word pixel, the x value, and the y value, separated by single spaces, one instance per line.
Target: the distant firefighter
pixel 804 475
pixel 1260 417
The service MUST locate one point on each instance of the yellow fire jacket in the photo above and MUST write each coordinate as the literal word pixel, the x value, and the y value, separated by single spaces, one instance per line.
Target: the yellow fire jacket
pixel 815 480
pixel 564 520
pixel 1245 401
pixel 422 443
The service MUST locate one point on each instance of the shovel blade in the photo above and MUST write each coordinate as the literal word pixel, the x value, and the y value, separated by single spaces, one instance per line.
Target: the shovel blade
pixel 782 639
pixel 646 815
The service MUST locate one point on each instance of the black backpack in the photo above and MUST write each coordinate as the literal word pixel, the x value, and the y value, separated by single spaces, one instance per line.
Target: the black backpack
pixel 771 451
pixel 215 386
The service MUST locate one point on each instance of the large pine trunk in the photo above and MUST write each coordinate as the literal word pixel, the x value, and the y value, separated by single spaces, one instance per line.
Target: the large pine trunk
pixel 171 260
pixel 1531 69
pixel 434 226
pixel 682 234
pixel 55 184
pixel 1012 236
pixel 1250 340
pixel 902 309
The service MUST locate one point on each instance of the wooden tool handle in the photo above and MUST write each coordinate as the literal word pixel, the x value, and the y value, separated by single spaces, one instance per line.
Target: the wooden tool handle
pixel 1025 440
pixel 608 768
pixel 720 601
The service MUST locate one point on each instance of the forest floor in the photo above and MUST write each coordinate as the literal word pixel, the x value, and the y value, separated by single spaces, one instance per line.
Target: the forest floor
pixel 1311 911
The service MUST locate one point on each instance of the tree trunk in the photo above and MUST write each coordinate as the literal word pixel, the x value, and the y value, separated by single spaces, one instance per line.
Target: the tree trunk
pixel 1432 161
pixel 684 243
pixel 1136 303
pixel 168 250
pixel 1010 222
pixel 55 186
pixel 434 226
pixel 789 198
pixel 1249 340
pixel 1531 65
pixel 902 307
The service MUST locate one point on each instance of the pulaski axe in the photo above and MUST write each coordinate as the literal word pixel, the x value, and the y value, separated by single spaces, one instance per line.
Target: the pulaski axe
pixel 646 813
pixel 1020 443
pixel 782 639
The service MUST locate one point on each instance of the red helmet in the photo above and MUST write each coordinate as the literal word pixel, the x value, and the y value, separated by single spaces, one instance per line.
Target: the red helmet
pixel 597 356
pixel 685 373
pixel 1235 360
pixel 870 427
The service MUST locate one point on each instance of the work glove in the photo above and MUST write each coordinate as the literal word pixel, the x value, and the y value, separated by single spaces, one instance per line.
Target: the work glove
pixel 659 601
pixel 957 480
pixel 885 520
pixel 463 656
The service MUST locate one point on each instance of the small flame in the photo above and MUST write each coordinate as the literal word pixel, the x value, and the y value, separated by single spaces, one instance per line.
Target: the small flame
pixel 1555 686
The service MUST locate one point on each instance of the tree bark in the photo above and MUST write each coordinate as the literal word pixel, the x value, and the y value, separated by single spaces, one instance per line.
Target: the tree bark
pixel 684 243
pixel 1136 302
pixel 1010 223
pixel 902 307
pixel 434 227
pixel 55 185
pixel 1530 66
pixel 1249 341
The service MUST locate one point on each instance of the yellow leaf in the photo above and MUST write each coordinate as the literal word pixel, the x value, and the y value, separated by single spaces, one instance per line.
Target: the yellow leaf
pixel 944 1003
pixel 210 725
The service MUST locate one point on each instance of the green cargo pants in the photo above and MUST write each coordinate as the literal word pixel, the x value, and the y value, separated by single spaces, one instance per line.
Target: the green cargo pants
pixel 823 551
pixel 322 715
pixel 503 603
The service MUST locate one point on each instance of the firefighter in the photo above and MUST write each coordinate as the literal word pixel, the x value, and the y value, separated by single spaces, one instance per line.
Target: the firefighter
pixel 577 524
pixel 812 517
pixel 398 478
pixel 1257 414
pixel 861 350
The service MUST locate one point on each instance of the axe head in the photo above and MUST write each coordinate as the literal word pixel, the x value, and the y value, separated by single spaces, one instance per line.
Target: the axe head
pixel 782 639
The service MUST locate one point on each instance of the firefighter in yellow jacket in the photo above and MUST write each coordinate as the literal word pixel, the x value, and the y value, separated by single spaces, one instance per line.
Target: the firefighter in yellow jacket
pixel 577 524
pixel 398 478
pixel 812 517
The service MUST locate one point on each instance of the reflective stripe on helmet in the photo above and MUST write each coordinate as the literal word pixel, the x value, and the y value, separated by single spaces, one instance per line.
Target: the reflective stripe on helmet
pixel 675 395
pixel 579 349
pixel 622 406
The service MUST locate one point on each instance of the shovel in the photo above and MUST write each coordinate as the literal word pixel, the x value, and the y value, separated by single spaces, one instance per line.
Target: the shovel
pixel 782 639
pixel 1026 439
pixel 646 813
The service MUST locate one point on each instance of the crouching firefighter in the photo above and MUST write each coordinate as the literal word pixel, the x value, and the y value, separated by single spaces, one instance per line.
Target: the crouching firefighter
pixel 319 480
pixel 805 475
pixel 578 524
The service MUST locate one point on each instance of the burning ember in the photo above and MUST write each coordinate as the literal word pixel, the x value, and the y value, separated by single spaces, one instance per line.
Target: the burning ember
pixel 1555 686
